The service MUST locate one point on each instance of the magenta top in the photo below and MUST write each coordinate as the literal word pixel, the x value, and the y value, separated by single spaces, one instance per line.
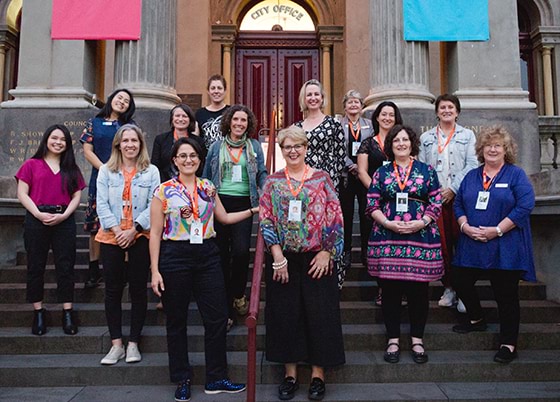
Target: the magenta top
pixel 45 187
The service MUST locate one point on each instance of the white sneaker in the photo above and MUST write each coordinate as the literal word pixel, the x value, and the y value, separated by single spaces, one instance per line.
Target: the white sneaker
pixel 132 353
pixel 461 307
pixel 448 299
pixel 115 354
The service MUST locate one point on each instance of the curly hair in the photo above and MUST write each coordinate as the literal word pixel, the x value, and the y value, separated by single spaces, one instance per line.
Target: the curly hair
pixel 496 133
pixel 228 115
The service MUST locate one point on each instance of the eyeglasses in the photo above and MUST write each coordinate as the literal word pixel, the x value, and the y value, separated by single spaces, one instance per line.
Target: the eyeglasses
pixel 290 148
pixel 495 146
pixel 184 157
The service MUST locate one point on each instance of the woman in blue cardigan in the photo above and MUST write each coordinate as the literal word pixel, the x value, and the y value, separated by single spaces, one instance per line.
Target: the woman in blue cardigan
pixel 493 208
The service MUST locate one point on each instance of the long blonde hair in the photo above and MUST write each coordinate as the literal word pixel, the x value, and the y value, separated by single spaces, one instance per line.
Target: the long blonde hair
pixel 115 161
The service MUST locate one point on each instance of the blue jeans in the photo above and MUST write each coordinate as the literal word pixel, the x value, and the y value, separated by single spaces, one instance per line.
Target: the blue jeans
pixel 187 270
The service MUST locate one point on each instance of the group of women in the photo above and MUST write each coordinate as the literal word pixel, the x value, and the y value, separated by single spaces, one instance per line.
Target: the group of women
pixel 188 216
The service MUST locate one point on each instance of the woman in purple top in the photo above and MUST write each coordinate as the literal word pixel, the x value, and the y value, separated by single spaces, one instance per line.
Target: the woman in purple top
pixel 49 187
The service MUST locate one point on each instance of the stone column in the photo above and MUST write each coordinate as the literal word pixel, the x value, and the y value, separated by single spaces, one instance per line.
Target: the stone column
pixel 326 75
pixel 51 74
pixel 399 68
pixel 226 69
pixel 147 66
pixel 2 69
pixel 547 80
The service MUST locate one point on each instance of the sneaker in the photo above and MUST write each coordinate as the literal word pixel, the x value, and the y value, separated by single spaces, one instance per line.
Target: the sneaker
pixel 225 385
pixel 448 299
pixel 461 307
pixel 132 353
pixel 240 305
pixel 183 391
pixel 115 354
pixel 505 356
pixel 470 327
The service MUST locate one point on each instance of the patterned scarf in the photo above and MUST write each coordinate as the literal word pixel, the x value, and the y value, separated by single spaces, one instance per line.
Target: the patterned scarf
pixel 226 163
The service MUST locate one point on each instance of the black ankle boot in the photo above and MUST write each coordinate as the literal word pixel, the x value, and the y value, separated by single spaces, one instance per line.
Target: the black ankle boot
pixel 94 278
pixel 68 325
pixel 39 326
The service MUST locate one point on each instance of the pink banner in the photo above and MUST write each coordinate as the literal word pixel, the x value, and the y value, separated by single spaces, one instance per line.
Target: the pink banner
pixel 96 19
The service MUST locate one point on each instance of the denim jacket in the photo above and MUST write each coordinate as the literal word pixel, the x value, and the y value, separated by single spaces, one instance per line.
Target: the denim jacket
pixel 110 187
pixel 256 171
pixel 462 154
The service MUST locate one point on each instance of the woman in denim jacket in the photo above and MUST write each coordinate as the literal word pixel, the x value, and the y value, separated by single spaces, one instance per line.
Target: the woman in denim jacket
pixel 236 167
pixel 125 187
pixel 449 149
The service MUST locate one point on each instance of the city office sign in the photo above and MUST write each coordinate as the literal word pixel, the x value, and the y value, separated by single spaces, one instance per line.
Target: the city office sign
pixel 284 13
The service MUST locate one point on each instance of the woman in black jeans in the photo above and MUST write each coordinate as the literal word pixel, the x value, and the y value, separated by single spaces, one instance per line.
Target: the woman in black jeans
pixel 49 187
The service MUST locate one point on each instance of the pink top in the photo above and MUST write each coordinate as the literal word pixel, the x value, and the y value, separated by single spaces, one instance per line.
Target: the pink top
pixel 45 187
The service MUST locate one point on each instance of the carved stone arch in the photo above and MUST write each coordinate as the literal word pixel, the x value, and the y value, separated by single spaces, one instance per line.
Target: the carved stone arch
pixel 540 12
pixel 9 17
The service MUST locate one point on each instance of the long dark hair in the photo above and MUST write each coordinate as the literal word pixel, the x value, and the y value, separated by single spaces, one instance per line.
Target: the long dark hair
pixel 377 112
pixel 69 170
pixel 124 118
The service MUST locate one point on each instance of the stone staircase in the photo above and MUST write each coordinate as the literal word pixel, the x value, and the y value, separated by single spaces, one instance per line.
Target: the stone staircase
pixel 59 367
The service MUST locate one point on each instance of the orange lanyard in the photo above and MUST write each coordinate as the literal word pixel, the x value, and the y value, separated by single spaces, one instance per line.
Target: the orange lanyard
pixel 296 192
pixel 402 184
pixel 127 193
pixel 193 198
pixel 235 158
pixel 381 145
pixel 441 148
pixel 355 134
pixel 176 136
pixel 486 181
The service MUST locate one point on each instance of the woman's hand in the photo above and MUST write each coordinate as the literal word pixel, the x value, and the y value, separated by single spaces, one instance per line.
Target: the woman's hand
pixel 488 232
pixel 320 265
pixel 125 238
pixel 476 233
pixel 157 283
pixel 409 227
pixel 54 219
pixel 281 275
pixel 447 195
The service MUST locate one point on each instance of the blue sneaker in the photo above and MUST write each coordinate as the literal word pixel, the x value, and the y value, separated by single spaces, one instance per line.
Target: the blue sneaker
pixel 183 392
pixel 225 385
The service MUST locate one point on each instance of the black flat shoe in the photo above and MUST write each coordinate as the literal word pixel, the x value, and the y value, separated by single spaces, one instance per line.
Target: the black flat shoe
pixel 392 357
pixel 287 388
pixel 505 356
pixel 316 389
pixel 39 326
pixel 68 325
pixel 470 327
pixel 93 282
pixel 419 357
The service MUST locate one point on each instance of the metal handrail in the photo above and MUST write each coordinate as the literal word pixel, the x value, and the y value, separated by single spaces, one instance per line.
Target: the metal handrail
pixel 254 302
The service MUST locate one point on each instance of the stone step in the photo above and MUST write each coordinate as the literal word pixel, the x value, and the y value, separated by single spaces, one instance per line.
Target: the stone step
pixel 438 337
pixel 352 312
pixel 406 392
pixel 361 367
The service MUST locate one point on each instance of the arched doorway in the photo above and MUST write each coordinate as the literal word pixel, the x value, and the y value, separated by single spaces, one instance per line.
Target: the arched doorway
pixel 276 51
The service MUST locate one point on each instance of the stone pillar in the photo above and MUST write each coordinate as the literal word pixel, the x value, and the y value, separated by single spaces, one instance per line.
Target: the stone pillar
pixel 51 74
pixel 226 69
pixel 399 68
pixel 326 76
pixel 329 36
pixel 2 69
pixel 547 80
pixel 147 66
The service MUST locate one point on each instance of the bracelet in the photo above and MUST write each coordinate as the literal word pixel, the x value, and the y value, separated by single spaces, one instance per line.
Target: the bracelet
pixel 279 265
pixel 385 222
pixel 461 227
pixel 426 221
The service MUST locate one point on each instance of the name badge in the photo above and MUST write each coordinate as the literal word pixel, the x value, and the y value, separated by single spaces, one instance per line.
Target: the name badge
pixel 107 123
pixel 482 200
pixel 236 175
pixel 355 147
pixel 386 162
pixel 196 232
pixel 501 185
pixel 439 166
pixel 402 202
pixel 294 213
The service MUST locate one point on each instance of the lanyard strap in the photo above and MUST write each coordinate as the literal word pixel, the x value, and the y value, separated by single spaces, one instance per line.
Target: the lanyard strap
pixel 235 158
pixel 441 148
pixel 303 178
pixel 193 198
pixel 176 136
pixel 355 134
pixel 402 184
pixel 486 180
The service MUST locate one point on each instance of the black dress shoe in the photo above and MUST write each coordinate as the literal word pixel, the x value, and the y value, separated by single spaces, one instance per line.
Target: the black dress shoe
pixel 287 388
pixel 39 326
pixel 93 282
pixel 316 389
pixel 68 325
pixel 470 327
pixel 392 357
pixel 419 357
pixel 505 355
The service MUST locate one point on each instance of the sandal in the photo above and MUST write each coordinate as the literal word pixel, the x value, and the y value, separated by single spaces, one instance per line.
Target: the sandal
pixel 419 357
pixel 392 357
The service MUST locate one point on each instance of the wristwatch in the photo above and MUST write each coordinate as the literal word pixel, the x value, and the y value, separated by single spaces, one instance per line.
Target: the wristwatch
pixel 499 231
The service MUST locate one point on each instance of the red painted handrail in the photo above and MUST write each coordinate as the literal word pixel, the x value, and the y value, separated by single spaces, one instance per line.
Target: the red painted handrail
pixel 254 302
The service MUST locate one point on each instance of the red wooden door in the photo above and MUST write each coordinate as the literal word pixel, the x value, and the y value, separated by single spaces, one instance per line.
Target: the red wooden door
pixel 269 79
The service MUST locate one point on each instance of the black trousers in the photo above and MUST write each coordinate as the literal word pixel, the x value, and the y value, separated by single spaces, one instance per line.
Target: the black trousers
pixel 418 304
pixel 234 242
pixel 117 272
pixel 505 285
pixel 194 270
pixel 38 239
pixel 347 195
pixel 303 316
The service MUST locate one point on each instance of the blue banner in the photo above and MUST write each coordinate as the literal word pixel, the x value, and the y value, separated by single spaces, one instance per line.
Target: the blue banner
pixel 446 20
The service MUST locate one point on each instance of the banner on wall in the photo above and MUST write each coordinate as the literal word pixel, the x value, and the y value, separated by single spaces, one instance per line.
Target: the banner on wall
pixel 96 19
pixel 446 20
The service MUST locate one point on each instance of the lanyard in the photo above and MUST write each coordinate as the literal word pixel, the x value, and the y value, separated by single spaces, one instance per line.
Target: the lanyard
pixel 176 136
pixel 193 198
pixel 297 191
pixel 487 180
pixel 355 134
pixel 402 184
pixel 235 158
pixel 441 148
